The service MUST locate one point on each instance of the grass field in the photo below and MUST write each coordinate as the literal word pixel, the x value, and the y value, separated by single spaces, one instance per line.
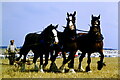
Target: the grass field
pixel 109 71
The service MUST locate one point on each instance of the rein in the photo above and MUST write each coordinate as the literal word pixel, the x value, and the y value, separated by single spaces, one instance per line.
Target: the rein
pixel 77 29
pixel 81 30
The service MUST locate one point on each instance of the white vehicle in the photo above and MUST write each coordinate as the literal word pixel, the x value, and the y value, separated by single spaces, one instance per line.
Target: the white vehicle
pixel 30 54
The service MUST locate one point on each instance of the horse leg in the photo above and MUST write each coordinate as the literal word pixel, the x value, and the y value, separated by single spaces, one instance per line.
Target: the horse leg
pixel 64 56
pixel 23 63
pixel 17 59
pixel 64 62
pixel 101 63
pixel 71 64
pixel 51 55
pixel 41 63
pixel 80 68
pixel 21 53
pixel 57 50
pixel 54 56
pixel 53 66
pixel 24 51
pixel 34 61
pixel 46 60
pixel 88 61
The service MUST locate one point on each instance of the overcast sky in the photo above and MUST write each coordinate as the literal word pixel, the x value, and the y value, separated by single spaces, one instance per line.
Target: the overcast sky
pixel 21 18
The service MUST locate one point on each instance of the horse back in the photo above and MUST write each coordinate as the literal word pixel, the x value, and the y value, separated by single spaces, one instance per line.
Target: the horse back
pixel 31 38
pixel 86 44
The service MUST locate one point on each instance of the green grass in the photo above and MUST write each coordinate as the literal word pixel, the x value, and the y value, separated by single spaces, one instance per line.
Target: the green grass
pixel 109 71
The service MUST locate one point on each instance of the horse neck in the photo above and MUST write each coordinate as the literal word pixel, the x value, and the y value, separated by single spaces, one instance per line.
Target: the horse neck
pixel 43 35
pixel 59 33
pixel 98 27
pixel 69 33
pixel 60 36
pixel 96 37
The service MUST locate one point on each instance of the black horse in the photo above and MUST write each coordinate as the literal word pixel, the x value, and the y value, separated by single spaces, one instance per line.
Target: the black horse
pixel 91 42
pixel 39 44
pixel 69 42
pixel 53 51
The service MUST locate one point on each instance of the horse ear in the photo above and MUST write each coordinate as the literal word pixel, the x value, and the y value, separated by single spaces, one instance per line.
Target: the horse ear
pixel 74 13
pixel 66 18
pixel 67 14
pixel 99 16
pixel 50 24
pixel 92 16
pixel 56 26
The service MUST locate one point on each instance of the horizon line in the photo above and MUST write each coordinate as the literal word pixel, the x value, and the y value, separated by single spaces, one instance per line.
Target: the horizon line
pixel 3 47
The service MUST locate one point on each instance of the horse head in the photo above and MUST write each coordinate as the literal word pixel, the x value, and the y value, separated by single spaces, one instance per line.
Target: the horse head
pixel 55 33
pixel 71 20
pixel 50 34
pixel 95 28
pixel 95 21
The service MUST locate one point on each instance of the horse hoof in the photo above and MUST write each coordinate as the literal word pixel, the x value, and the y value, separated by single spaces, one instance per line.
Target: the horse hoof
pixel 53 67
pixel 62 70
pixel 81 70
pixel 23 67
pixel 22 70
pixel 100 65
pixel 72 71
pixel 41 70
pixel 36 68
pixel 89 71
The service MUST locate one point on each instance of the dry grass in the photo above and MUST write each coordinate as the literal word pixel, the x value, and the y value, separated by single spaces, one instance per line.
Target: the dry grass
pixel 109 71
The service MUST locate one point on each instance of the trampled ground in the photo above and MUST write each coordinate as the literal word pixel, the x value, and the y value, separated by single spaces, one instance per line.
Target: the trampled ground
pixel 109 71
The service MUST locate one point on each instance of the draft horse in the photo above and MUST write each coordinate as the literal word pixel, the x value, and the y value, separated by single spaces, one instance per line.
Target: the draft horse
pixel 91 42
pixel 69 42
pixel 54 51
pixel 39 44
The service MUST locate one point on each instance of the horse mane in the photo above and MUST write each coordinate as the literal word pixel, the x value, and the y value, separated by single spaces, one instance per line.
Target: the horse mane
pixel 45 32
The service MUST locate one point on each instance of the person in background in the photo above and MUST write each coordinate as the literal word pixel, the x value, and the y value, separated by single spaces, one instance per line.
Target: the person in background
pixel 11 51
